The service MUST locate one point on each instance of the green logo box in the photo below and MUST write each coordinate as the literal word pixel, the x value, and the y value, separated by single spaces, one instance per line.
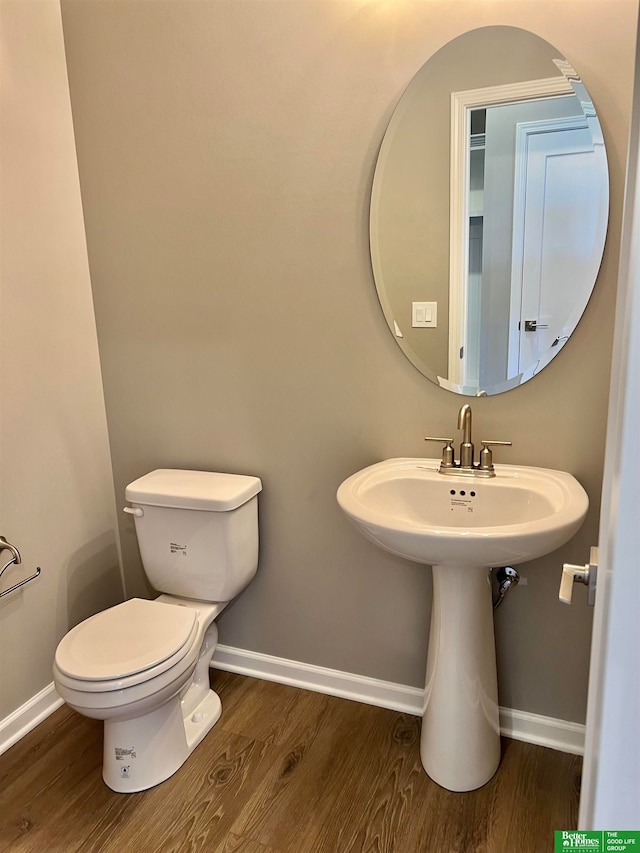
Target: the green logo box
pixel 597 842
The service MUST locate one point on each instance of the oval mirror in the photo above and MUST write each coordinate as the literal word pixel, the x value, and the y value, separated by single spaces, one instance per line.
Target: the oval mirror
pixel 489 211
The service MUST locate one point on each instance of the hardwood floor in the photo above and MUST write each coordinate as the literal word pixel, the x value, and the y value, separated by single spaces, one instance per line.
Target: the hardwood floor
pixel 284 771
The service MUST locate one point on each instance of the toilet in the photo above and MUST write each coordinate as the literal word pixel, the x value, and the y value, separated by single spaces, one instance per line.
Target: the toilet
pixel 143 666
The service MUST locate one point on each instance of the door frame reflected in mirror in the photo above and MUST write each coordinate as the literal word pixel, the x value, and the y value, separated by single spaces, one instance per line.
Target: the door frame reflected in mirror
pixel 462 105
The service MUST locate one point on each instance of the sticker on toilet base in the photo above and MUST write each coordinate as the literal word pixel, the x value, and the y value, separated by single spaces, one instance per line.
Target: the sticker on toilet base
pixel 123 754
pixel 178 549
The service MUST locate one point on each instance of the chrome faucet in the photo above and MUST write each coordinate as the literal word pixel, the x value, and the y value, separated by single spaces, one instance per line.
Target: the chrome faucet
pixel 466 448
pixel 467 464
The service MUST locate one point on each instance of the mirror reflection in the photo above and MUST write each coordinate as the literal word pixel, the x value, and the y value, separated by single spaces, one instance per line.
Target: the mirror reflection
pixel 489 211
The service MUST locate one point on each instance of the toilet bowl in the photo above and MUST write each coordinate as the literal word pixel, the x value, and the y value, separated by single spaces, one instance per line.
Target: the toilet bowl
pixel 143 666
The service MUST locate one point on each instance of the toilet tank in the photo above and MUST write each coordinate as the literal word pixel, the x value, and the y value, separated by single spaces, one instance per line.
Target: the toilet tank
pixel 197 531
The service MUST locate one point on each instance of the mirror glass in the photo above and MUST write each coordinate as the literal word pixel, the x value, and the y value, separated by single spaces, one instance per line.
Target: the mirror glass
pixel 489 211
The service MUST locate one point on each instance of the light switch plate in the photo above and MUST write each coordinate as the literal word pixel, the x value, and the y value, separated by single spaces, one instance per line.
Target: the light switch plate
pixel 424 315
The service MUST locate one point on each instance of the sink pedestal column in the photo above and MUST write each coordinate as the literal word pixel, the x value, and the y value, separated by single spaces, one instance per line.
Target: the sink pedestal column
pixel 460 741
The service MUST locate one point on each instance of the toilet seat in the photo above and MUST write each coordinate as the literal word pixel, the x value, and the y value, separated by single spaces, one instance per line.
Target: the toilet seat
pixel 126 645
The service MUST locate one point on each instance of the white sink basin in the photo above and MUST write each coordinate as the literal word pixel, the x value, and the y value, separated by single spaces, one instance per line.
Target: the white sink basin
pixel 462 526
pixel 405 506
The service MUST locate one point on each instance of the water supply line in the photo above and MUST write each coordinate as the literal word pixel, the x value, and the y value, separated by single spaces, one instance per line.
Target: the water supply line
pixel 507 578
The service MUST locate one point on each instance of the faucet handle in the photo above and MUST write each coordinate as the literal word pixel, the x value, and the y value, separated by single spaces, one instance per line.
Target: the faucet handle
pixel 447 460
pixel 486 456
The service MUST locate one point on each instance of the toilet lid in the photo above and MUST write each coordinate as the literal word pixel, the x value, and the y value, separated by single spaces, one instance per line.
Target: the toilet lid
pixel 126 639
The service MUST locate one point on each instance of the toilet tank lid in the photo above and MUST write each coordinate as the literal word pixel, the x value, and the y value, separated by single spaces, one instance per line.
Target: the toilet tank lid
pixel 204 490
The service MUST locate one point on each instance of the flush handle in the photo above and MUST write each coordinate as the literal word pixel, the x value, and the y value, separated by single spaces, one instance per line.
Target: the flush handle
pixel 134 510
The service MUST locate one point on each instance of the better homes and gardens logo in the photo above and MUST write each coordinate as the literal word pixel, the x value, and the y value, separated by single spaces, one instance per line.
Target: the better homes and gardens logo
pixel 579 840
pixel 597 842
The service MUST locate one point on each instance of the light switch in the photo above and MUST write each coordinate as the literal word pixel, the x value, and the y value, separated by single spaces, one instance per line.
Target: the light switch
pixel 424 315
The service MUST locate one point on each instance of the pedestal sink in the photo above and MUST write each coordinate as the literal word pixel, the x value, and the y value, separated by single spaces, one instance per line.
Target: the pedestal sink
pixel 462 526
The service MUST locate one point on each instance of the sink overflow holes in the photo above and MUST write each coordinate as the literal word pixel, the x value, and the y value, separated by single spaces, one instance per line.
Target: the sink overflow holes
pixel 462 493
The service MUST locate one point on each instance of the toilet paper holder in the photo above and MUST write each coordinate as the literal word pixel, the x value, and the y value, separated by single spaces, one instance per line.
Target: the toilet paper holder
pixel 587 575
pixel 14 561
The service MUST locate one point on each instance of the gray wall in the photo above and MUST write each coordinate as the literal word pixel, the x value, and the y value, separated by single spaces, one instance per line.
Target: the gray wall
pixel 56 488
pixel 226 153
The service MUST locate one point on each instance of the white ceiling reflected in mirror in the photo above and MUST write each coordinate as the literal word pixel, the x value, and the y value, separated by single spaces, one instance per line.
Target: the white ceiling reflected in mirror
pixel 489 211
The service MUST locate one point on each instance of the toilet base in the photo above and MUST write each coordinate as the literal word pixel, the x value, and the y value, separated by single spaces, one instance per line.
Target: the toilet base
pixel 144 751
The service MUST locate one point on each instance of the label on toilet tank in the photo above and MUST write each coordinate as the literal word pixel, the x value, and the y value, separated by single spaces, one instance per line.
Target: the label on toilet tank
pixel 125 753
pixel 178 549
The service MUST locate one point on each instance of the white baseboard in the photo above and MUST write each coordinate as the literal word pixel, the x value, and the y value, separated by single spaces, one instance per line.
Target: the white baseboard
pixel 519 725
pixel 334 682
pixel 28 716
pixel 543 731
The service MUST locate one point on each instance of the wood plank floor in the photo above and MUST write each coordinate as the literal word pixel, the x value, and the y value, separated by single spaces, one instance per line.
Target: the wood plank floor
pixel 284 771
